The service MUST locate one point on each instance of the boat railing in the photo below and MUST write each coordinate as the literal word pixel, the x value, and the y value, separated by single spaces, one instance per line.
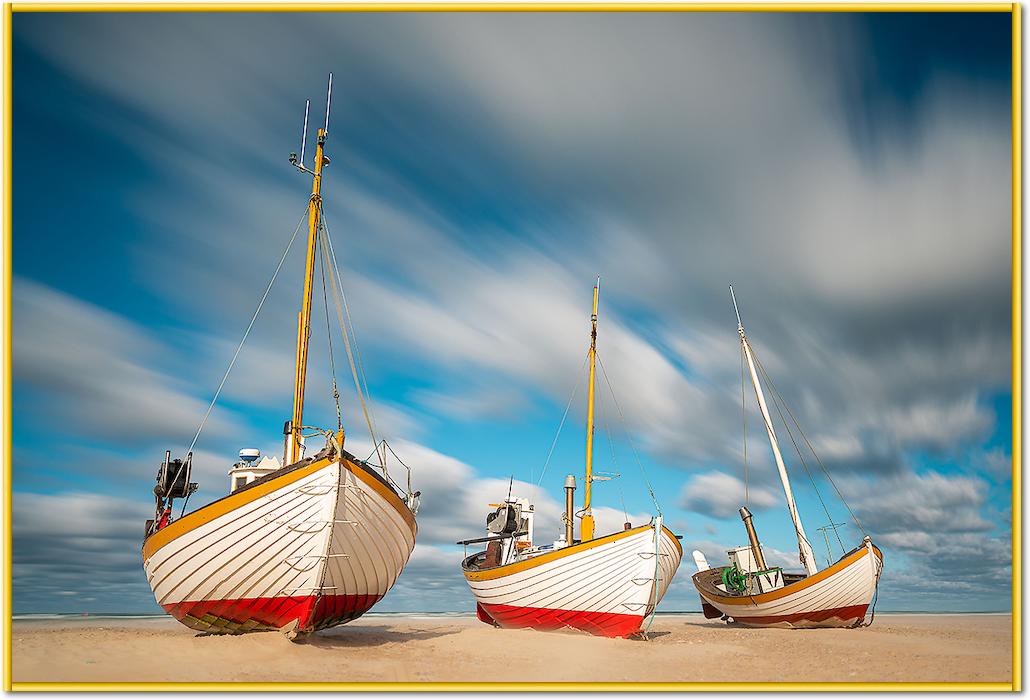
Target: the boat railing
pixel 411 497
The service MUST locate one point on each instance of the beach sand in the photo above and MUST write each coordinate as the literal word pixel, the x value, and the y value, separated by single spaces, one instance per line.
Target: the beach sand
pixel 682 648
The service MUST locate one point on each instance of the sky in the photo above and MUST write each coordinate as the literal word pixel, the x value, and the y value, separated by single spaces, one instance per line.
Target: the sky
pixel 849 174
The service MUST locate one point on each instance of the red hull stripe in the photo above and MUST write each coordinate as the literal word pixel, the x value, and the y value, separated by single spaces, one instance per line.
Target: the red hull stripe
pixel 246 614
pixel 852 612
pixel 548 620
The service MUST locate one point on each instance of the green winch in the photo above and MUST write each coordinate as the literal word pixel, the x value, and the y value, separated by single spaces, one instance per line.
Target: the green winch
pixel 734 579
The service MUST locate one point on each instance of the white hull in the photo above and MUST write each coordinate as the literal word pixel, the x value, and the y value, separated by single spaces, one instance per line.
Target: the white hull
pixel 606 586
pixel 838 596
pixel 312 547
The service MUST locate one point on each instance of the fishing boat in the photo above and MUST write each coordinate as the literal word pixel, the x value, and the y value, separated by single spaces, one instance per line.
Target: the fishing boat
pixel 300 545
pixel 750 592
pixel 605 585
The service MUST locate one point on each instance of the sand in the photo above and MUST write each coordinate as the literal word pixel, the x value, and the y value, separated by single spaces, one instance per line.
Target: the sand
pixel 928 648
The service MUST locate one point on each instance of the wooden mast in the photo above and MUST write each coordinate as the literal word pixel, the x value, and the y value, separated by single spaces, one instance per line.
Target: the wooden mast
pixel 804 548
pixel 586 530
pixel 293 452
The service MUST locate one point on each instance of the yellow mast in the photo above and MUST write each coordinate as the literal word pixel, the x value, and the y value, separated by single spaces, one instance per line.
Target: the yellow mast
pixel 586 530
pixel 304 325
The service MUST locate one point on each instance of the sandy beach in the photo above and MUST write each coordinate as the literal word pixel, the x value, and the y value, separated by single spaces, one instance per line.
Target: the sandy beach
pixel 927 648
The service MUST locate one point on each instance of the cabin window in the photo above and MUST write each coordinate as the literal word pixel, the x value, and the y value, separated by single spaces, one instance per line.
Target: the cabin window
pixel 241 481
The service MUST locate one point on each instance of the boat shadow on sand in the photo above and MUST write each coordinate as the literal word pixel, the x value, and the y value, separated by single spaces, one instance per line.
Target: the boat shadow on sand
pixel 372 636
pixel 353 637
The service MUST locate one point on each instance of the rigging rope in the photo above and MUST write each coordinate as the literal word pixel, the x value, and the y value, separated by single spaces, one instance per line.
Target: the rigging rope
pixel 820 462
pixel 389 447
pixel 611 442
pixel 246 334
pixel 622 418
pixel 654 589
pixel 357 369
pixel 777 399
pixel 350 356
pixel 329 336
pixel 795 515
pixel 575 388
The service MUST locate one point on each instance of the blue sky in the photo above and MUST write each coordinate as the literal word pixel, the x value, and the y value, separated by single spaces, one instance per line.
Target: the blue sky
pixel 849 174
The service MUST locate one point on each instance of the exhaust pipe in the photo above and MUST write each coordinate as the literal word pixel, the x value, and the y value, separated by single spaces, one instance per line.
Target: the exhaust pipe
pixel 570 488
pixel 745 515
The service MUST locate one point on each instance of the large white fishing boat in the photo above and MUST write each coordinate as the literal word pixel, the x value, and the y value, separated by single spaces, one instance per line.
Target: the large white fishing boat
pixel 607 585
pixel 300 547
pixel 750 592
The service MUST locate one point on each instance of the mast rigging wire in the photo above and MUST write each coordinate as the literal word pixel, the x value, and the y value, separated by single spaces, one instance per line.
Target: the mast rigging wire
pixel 246 333
pixel 350 323
pixel 575 389
pixel 777 399
pixel 768 421
pixel 819 461
pixel 611 442
pixel 329 336
pixel 629 438
pixel 334 283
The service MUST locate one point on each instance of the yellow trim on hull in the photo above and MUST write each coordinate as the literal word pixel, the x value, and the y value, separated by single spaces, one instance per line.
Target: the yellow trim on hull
pixel 515 567
pixel 206 514
pixel 385 491
pixel 794 587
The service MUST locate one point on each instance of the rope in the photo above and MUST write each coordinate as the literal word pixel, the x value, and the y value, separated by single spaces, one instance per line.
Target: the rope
pixel 622 418
pixel 654 590
pixel 350 324
pixel 329 336
pixel 401 461
pixel 607 430
pixel 768 421
pixel 347 346
pixel 777 399
pixel 826 472
pixel 876 594
pixel 246 333
pixel 575 388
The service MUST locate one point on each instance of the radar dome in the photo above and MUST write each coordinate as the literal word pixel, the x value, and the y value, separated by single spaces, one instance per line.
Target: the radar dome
pixel 249 454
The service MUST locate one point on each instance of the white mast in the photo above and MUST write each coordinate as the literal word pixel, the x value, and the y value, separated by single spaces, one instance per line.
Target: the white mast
pixel 805 549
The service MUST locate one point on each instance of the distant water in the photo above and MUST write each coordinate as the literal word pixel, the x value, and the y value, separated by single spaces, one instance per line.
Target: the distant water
pixel 435 615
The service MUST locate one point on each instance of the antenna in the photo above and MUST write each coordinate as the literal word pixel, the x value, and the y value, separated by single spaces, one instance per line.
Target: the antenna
pixel 304 133
pixel 831 526
pixel 740 326
pixel 328 102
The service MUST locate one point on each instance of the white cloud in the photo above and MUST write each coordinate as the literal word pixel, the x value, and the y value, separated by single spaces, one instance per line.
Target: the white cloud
pixel 928 502
pixel 97 372
pixel 77 543
pixel 940 425
pixel 873 276
pixel 720 495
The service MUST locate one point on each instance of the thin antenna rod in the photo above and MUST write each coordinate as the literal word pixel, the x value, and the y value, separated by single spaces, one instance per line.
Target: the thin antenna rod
pixel 740 326
pixel 304 133
pixel 328 102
